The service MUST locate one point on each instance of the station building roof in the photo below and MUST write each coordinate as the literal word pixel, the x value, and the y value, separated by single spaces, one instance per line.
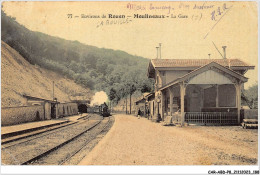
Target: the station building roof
pixel 38 99
pixel 192 64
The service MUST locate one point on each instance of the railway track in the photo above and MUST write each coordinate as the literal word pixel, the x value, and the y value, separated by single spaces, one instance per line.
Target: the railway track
pixel 34 149
pixel 73 152
pixel 8 141
pixel 87 148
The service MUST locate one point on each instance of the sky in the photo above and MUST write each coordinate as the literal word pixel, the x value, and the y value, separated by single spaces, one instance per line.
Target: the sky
pixel 188 32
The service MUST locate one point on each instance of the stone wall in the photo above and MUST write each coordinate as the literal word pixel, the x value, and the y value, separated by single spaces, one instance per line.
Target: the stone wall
pixel 67 109
pixel 47 107
pixel 24 114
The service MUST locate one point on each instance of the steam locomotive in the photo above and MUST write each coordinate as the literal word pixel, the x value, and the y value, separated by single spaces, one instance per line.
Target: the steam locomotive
pixel 99 109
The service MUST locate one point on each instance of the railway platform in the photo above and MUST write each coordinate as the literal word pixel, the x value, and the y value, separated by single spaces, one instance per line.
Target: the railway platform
pixel 28 127
pixel 133 141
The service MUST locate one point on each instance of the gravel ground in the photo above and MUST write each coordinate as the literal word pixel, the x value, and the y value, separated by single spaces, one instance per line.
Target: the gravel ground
pixel 133 141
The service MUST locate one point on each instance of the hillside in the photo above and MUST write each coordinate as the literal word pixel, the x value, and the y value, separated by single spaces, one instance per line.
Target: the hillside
pixel 92 67
pixel 19 77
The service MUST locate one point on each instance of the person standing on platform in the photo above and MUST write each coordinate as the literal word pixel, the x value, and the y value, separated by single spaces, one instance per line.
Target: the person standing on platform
pixel 139 113
pixel 148 113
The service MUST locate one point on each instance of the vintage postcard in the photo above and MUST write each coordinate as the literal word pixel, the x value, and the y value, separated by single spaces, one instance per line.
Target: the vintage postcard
pixel 130 83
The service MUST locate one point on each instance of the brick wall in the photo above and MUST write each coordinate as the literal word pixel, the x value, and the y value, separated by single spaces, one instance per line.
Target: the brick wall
pixel 24 114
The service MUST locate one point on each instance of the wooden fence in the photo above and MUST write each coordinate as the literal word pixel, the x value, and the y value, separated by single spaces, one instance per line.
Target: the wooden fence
pixel 215 118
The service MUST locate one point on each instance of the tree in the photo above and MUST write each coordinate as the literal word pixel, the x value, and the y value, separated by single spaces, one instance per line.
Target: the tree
pixel 122 93
pixel 112 94
pixel 250 96
pixel 132 89
pixel 96 68
pixel 101 66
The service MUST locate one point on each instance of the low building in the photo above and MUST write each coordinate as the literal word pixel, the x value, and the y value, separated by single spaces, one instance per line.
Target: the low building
pixel 140 104
pixel 54 109
pixel 49 106
pixel 201 90
pixel 143 104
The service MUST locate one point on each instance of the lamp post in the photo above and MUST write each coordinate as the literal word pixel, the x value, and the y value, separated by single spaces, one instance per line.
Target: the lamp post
pixel 158 117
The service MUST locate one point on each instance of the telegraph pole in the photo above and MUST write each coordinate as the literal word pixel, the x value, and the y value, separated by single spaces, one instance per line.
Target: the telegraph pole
pixel 130 103
pixel 157 52
pixel 53 90
pixel 126 105
pixel 160 45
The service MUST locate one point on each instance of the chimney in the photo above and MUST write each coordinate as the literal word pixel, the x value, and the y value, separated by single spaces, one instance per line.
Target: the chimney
pixel 157 52
pixel 209 55
pixel 224 51
pixel 160 45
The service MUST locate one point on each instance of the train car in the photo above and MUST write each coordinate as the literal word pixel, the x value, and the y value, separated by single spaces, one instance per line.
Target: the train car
pixel 96 109
pixel 99 109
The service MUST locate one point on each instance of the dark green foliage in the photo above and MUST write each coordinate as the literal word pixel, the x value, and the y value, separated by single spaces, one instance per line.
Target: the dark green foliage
pixel 250 96
pixel 112 94
pixel 92 67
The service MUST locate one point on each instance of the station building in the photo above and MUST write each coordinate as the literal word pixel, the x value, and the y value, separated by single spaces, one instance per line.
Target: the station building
pixel 197 90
